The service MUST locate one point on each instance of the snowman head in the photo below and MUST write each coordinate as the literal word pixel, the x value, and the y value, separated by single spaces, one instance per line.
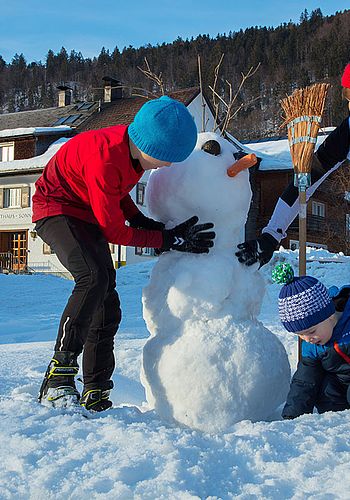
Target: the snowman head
pixel 202 185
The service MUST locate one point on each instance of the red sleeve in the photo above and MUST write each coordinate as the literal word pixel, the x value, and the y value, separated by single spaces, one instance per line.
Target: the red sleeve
pixel 103 180
pixel 128 207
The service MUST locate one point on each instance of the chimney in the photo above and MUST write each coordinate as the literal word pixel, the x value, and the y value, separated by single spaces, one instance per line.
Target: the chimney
pixel 64 96
pixel 110 92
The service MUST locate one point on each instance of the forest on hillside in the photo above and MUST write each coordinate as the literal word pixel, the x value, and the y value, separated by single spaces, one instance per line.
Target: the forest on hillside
pixel 291 55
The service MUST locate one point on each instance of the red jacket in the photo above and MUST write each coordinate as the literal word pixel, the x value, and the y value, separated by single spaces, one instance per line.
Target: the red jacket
pixel 89 178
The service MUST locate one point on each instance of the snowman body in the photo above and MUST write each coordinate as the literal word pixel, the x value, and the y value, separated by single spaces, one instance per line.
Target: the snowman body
pixel 209 362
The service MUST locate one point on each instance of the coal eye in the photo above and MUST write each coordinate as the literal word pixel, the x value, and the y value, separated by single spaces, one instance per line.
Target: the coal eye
pixel 212 147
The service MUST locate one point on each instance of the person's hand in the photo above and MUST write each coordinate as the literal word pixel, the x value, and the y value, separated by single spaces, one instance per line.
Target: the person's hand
pixel 141 221
pixel 189 237
pixel 259 250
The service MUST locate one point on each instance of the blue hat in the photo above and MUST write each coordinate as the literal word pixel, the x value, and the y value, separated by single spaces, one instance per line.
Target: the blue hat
pixel 303 302
pixel 164 129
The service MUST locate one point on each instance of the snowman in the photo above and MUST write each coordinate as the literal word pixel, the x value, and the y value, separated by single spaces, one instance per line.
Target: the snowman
pixel 209 362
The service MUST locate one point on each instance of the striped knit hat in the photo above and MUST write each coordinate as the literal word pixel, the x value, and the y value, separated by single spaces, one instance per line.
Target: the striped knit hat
pixel 303 302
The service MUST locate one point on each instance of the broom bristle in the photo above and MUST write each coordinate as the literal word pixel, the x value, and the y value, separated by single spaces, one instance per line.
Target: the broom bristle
pixel 303 111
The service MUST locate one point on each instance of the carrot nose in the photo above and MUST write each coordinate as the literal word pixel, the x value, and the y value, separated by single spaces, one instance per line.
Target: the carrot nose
pixel 242 164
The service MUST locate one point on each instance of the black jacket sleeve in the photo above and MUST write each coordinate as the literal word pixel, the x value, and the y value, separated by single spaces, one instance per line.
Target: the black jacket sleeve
pixel 304 388
pixel 328 158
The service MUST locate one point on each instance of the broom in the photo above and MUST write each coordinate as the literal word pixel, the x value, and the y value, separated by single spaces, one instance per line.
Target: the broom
pixel 303 111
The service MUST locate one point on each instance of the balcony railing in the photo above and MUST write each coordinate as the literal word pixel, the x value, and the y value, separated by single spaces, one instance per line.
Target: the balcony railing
pixel 11 263
pixel 314 223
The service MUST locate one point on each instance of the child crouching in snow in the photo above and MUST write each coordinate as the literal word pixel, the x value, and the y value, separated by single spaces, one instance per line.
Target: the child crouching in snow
pixel 321 318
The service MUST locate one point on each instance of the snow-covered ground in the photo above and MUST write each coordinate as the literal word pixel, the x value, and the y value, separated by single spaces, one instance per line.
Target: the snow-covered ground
pixel 129 452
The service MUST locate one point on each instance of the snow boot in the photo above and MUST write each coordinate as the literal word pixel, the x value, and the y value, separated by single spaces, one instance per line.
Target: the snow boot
pixel 58 387
pixel 96 398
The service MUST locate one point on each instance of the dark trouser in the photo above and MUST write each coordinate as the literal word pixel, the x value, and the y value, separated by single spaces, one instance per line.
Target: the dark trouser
pixel 333 396
pixel 92 315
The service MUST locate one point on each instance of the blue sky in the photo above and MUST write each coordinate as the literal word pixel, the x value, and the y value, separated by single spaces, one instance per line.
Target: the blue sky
pixel 35 26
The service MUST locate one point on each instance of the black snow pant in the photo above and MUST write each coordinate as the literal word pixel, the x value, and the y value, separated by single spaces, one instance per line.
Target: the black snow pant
pixel 333 395
pixel 92 315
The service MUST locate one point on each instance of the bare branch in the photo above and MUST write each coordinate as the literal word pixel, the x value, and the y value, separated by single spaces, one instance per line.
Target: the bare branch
pixel 152 76
pixel 215 94
pixel 202 96
pixel 230 112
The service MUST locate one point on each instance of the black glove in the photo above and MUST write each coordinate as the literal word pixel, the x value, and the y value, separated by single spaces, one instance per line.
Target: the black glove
pixel 141 221
pixel 189 237
pixel 259 250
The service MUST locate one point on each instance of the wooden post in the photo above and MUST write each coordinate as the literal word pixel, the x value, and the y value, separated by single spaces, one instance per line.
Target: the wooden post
pixel 302 233
pixel 302 243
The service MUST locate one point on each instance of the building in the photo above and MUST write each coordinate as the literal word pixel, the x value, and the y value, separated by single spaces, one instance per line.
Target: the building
pixel 29 139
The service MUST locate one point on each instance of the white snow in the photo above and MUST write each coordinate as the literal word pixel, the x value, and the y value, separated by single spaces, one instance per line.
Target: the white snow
pixel 207 350
pixel 128 454
pixel 16 132
pixel 36 161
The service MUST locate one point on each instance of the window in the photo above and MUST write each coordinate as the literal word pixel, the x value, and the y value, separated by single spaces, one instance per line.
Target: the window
pixel 12 198
pixel 71 119
pixel 59 121
pixel 85 106
pixel 347 225
pixel 294 245
pixel 318 209
pixel 140 193
pixel 148 252
pixel 66 120
pixel 7 152
pixel 47 249
pixel 145 252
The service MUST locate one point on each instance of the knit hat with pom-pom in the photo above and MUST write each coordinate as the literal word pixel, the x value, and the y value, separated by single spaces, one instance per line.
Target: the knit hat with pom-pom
pixel 345 79
pixel 303 302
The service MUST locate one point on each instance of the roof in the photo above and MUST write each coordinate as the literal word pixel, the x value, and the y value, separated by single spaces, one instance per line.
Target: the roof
pixel 275 154
pixel 45 117
pixel 31 165
pixel 122 111
pixel 96 116
pixel 36 131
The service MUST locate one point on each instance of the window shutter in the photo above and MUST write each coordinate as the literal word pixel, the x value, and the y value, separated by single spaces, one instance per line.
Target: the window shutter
pixel 1 197
pixel 25 197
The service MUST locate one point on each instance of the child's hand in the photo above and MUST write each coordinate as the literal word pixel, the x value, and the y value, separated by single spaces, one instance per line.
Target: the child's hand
pixel 141 221
pixel 259 250
pixel 189 237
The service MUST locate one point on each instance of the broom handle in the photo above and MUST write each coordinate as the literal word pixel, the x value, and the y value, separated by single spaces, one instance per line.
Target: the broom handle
pixel 302 233
pixel 302 244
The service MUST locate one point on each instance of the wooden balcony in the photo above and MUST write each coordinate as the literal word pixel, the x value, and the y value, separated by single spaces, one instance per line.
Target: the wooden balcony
pixel 315 224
